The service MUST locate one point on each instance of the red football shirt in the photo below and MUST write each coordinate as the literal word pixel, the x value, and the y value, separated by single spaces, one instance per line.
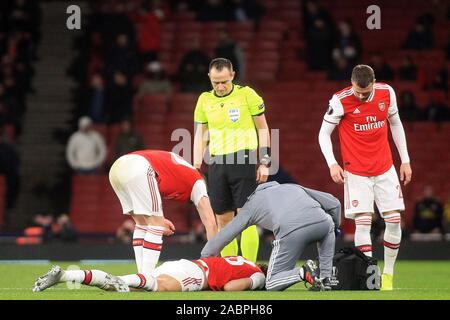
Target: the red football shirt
pixel 223 270
pixel 175 176
pixel 363 129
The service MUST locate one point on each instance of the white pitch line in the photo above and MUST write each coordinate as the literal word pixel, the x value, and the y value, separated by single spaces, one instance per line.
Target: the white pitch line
pixel 422 289
pixel 26 289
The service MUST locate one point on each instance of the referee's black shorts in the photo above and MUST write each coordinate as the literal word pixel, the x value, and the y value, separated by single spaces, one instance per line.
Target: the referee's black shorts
pixel 230 182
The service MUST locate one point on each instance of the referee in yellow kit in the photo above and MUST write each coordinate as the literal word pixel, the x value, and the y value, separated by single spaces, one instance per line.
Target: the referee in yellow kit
pixel 233 118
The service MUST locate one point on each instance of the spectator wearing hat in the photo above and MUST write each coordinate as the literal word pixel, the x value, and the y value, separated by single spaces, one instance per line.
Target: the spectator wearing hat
pixel 86 150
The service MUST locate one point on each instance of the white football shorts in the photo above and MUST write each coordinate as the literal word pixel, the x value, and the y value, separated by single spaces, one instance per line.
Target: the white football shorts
pixel 133 180
pixel 187 273
pixel 361 192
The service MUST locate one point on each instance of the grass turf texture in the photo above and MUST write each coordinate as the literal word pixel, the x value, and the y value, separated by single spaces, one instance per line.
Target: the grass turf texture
pixel 427 280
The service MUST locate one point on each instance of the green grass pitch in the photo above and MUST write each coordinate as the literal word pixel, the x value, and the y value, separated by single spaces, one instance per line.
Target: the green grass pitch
pixel 418 280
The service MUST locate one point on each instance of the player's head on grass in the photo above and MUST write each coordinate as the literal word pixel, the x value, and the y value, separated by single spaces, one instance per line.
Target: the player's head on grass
pixel 221 75
pixel 363 79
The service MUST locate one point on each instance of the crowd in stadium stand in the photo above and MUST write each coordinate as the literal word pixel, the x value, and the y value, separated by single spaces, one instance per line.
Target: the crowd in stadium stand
pixel 19 38
pixel 124 38
pixel 119 58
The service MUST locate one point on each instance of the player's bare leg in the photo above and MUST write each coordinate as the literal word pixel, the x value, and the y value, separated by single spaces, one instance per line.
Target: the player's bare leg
pixel 222 220
pixel 392 239
pixel 363 241
pixel 167 283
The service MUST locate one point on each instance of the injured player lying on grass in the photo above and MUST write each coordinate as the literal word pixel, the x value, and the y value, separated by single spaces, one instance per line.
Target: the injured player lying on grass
pixel 214 273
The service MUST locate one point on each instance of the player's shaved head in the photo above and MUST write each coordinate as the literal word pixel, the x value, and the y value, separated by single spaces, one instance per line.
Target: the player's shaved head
pixel 363 75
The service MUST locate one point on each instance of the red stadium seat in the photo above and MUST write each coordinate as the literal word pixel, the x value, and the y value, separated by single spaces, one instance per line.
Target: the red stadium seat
pixel 183 103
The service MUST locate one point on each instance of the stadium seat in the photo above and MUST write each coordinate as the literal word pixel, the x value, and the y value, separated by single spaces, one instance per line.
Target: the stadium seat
pixel 183 103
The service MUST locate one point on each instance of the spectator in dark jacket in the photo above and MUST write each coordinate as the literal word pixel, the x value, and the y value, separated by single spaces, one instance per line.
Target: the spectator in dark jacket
pixel 128 140
pixel 192 72
pixel 245 10
pixel 428 213
pixel 420 38
pixel 408 70
pixel 9 166
pixel 230 50
pixel 122 57
pixel 119 96
pixel 214 10
pixel 347 45
pixel 407 106
pixel 382 70
pixel 319 36
pixel 96 99
pixel 341 70
pixel 437 110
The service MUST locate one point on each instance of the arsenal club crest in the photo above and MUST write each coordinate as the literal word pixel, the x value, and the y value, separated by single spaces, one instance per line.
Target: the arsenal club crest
pixel 381 105
pixel 355 203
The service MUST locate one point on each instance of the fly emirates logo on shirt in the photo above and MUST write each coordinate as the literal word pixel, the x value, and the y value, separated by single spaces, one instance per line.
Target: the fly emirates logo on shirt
pixel 371 124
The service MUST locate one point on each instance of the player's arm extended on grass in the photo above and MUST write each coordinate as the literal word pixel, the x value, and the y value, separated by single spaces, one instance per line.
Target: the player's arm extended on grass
pixel 200 143
pixel 255 282
pixel 227 234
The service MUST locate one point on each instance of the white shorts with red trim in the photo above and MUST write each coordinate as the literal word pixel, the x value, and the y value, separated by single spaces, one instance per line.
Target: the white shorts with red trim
pixel 187 273
pixel 361 192
pixel 133 180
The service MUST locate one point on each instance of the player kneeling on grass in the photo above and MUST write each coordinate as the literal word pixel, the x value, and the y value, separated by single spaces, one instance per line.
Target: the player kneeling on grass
pixel 297 216
pixel 215 273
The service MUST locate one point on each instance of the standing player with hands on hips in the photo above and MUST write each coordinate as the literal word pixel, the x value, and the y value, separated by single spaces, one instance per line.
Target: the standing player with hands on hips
pixel 368 174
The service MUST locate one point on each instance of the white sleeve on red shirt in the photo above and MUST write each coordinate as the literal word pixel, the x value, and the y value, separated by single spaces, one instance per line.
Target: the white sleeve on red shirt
pixel 398 133
pixel 198 191
pixel 393 108
pixel 335 111
pixel 325 142
pixel 399 137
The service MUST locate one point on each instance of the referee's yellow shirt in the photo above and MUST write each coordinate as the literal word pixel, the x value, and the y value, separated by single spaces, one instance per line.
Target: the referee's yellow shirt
pixel 229 119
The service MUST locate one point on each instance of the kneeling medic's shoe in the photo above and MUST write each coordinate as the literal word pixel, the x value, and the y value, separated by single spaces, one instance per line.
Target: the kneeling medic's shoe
pixel 311 275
